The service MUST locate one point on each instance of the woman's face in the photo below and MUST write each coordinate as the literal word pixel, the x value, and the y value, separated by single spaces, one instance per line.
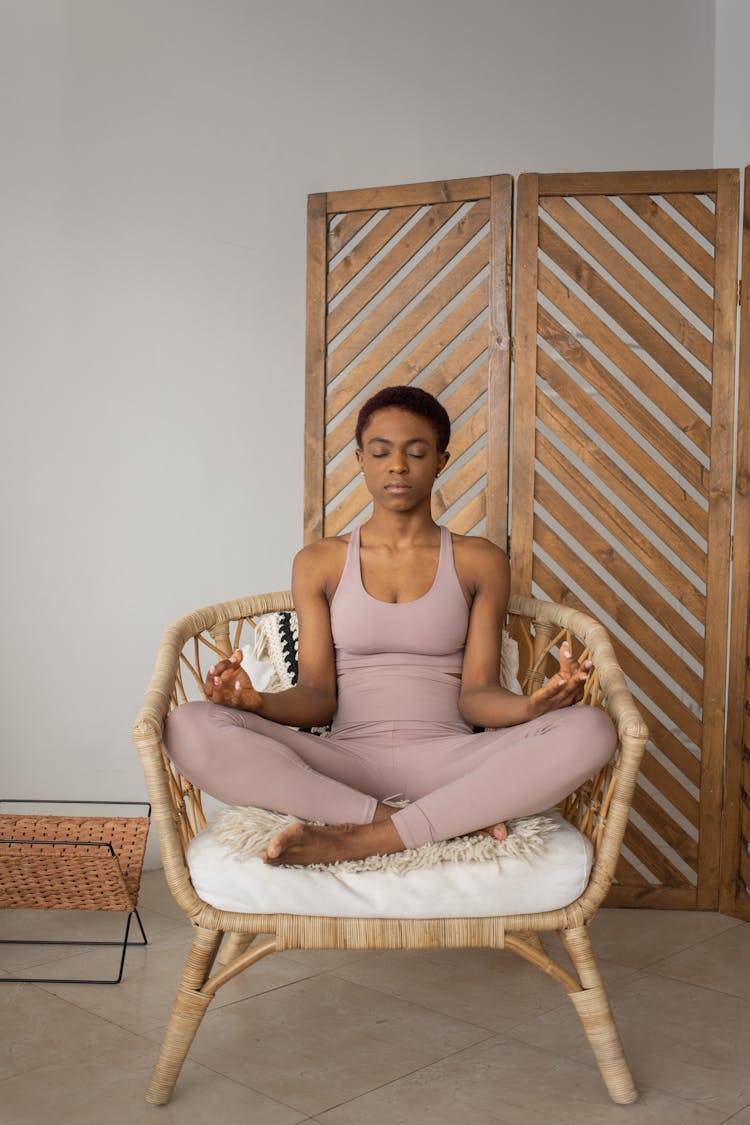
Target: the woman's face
pixel 399 458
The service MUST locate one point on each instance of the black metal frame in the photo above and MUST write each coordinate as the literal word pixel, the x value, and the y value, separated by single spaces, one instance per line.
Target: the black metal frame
pixel 122 945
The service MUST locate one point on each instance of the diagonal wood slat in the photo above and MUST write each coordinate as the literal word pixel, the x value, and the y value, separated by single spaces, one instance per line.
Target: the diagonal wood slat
pixel 666 783
pixel 650 856
pixel 666 227
pixel 626 490
pixel 635 284
pixel 617 566
pixel 588 497
pixel 617 439
pixel 669 829
pixel 388 266
pixel 626 872
pixel 345 229
pixel 598 379
pixel 626 316
pixel 410 286
pixel 625 307
pixel 655 259
pixel 625 360
pixel 695 211
pixel 350 266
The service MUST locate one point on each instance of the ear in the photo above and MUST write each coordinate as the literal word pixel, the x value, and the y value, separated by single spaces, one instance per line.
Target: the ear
pixel 443 459
pixel 359 455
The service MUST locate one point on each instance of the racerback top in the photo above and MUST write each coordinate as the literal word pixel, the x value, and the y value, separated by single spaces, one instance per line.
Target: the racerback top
pixel 428 632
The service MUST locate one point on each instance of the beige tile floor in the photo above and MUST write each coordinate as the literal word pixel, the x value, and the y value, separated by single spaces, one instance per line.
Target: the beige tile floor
pixel 388 1038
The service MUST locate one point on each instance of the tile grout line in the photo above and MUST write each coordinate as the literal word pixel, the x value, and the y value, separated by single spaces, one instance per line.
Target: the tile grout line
pixel 693 984
pixel 437 1011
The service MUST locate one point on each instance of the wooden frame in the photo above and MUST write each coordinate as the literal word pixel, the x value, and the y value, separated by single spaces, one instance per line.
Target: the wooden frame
pixel 735 871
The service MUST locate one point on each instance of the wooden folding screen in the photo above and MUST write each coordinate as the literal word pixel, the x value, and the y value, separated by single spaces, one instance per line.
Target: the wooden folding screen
pixel 735 866
pixel 621 480
pixel 410 284
pixel 622 468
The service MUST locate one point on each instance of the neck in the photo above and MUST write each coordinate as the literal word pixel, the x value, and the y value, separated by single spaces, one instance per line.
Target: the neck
pixel 401 529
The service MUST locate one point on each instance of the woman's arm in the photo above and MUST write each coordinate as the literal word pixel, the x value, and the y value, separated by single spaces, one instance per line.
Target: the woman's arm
pixel 312 701
pixel 482 701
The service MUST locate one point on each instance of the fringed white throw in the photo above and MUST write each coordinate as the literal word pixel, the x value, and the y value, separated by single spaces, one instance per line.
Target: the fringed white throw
pixel 246 833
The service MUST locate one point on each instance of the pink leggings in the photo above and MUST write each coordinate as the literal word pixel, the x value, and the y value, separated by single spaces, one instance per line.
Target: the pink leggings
pixel 457 781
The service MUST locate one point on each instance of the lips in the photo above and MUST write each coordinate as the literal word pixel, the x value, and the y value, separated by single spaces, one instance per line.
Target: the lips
pixel 397 489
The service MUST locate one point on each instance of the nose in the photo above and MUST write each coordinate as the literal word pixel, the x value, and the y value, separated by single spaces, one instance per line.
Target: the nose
pixel 398 463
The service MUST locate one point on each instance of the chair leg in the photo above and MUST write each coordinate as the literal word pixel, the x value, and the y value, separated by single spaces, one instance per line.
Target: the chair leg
pixel 188 1011
pixel 233 946
pixel 596 1018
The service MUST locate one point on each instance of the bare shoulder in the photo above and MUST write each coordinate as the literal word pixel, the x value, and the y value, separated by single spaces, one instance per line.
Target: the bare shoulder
pixel 479 562
pixel 476 551
pixel 321 550
pixel 320 563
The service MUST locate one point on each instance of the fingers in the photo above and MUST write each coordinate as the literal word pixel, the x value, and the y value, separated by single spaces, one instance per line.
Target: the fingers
pixel 561 690
pixel 226 665
pixel 227 683
pixel 226 694
pixel 234 678
pixel 223 672
pixel 567 664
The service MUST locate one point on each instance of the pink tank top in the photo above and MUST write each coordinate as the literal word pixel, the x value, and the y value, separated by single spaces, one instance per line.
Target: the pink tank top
pixel 429 632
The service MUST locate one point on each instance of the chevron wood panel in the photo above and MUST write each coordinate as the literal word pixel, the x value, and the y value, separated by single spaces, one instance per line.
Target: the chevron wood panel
pixel 410 285
pixel 622 462
pixel 735 873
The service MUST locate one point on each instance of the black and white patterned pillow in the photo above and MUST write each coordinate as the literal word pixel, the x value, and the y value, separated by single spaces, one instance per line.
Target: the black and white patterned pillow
pixel 276 643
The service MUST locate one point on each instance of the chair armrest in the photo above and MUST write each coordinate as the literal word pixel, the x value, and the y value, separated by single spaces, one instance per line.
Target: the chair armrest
pixel 599 808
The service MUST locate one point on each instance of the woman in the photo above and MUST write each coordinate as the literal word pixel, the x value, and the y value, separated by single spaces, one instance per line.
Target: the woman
pixel 400 628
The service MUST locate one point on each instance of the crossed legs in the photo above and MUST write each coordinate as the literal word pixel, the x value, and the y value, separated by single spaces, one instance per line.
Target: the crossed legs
pixel 457 782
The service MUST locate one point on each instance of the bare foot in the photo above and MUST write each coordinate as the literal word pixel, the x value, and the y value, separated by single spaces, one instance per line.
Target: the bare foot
pixel 497 831
pixel 329 843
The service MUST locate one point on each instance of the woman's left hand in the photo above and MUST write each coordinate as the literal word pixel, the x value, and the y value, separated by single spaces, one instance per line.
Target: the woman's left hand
pixel 564 688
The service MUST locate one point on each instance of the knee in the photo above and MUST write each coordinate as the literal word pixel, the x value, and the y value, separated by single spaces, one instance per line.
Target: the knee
pixel 184 731
pixel 596 734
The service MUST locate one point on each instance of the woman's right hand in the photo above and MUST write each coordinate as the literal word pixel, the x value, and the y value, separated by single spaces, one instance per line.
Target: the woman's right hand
pixel 228 683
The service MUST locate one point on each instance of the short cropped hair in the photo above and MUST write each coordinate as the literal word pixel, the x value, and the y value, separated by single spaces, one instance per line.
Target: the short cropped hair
pixel 415 401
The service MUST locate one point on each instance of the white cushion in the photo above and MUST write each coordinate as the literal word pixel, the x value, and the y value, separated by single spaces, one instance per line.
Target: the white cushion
pixel 554 877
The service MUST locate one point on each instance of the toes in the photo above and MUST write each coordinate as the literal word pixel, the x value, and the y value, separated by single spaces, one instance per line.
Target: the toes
pixel 282 842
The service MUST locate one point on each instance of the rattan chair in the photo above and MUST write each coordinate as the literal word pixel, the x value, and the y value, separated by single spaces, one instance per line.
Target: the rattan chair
pixel 599 809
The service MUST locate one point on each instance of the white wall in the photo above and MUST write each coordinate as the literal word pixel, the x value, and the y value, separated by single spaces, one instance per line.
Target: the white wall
pixel 156 162
pixel 732 100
